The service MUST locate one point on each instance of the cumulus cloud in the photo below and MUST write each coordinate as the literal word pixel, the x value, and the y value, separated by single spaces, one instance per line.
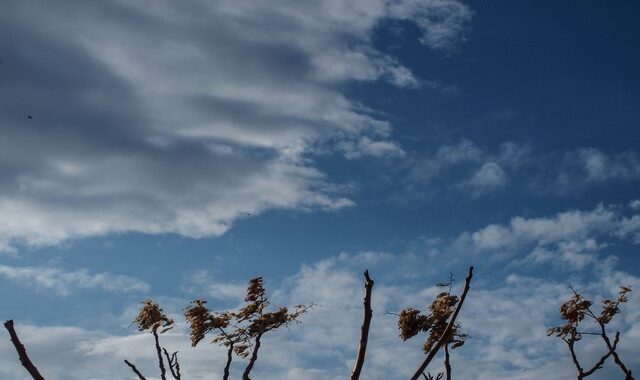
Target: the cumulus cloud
pixel 158 117
pixel 489 176
pixel 572 239
pixel 64 282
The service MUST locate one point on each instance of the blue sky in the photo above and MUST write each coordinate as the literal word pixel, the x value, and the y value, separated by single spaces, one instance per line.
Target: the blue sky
pixel 174 152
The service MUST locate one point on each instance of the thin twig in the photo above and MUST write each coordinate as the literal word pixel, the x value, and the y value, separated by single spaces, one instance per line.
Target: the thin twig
pixel 447 363
pixel 22 352
pixel 174 366
pixel 364 330
pixel 447 330
pixel 135 370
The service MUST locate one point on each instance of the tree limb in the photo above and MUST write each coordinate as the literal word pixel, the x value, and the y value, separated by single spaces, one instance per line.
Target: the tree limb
pixel 604 357
pixel 364 331
pixel 447 363
pixel 612 349
pixel 229 358
pixel 570 342
pixel 135 370
pixel 447 330
pixel 22 352
pixel 174 366
pixel 252 360
pixel 163 371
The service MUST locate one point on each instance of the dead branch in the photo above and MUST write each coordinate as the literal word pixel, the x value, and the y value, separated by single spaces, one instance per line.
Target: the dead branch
pixel 252 360
pixel 445 333
pixel 447 363
pixel 612 350
pixel 364 331
pixel 163 371
pixel 135 370
pixel 228 364
pixel 22 352
pixel 604 357
pixel 174 365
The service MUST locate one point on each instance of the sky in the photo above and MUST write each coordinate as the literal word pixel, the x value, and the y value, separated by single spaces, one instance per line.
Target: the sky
pixel 173 150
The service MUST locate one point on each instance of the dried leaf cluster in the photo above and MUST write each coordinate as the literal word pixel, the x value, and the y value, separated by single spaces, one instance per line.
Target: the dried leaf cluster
pixel 412 322
pixel 151 317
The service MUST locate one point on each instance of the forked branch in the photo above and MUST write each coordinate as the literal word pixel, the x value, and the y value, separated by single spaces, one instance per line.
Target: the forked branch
pixel 364 331
pixel 174 365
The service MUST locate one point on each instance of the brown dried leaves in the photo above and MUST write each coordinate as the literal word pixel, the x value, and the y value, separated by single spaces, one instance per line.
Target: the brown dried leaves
pixel 151 317
pixel 412 322
pixel 577 307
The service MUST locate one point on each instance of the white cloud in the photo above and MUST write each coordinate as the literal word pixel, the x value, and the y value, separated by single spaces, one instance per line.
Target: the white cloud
pixel 201 285
pixel 570 239
pixel 367 147
pixel 489 176
pixel 465 166
pixel 64 282
pixel 601 167
pixel 158 117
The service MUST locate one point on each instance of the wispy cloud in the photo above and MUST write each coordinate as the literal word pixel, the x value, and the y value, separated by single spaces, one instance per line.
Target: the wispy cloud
pixel 469 168
pixel 62 282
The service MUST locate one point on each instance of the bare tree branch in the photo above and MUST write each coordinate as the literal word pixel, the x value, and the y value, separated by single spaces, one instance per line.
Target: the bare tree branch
pixel 612 350
pixel 364 331
pixel 22 352
pixel 445 334
pixel 570 342
pixel 252 360
pixel 229 358
pixel 135 370
pixel 163 371
pixel 447 363
pixel 604 357
pixel 174 366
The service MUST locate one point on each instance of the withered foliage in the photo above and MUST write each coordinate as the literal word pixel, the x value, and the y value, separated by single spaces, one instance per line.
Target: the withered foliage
pixel 578 309
pixel 202 321
pixel 151 317
pixel 412 322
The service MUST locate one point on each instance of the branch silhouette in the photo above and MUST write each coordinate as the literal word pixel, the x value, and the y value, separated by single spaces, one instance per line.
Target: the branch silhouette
pixel 22 352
